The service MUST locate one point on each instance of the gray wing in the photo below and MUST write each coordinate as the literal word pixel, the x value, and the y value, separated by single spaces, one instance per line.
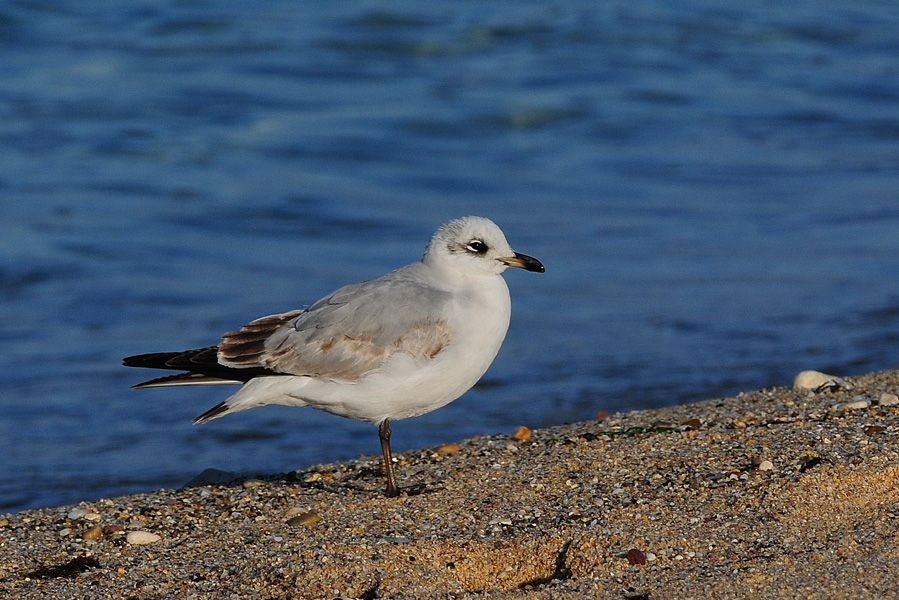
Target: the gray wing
pixel 347 334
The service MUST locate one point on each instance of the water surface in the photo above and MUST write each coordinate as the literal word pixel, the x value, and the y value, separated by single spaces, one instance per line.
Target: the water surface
pixel 712 189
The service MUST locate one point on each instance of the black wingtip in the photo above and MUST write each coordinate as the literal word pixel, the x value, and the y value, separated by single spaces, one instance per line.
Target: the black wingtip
pixel 212 413
pixel 153 360
pixel 130 361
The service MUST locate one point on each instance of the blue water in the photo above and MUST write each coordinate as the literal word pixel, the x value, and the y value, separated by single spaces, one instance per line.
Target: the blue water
pixel 713 187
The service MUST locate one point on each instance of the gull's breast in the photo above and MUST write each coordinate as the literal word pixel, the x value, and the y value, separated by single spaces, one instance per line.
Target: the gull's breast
pixel 478 320
pixel 408 386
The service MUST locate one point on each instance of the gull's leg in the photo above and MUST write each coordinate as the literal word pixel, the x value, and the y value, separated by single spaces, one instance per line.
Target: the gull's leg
pixel 384 434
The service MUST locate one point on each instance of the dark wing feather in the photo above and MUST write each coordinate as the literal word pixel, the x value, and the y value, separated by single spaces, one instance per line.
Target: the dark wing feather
pixel 243 348
pixel 201 364
pixel 187 360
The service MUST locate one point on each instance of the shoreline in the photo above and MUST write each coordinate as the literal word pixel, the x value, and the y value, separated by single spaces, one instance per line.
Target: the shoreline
pixel 771 493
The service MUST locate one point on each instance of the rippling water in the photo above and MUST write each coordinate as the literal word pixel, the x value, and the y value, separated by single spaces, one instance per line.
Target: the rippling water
pixel 712 189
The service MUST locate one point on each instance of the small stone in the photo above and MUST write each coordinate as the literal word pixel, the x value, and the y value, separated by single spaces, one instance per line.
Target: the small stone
pixel 766 465
pixel 211 477
pixel 113 530
pixel 4 522
pixel 140 538
pixel 857 404
pixel 65 531
pixel 650 556
pixel 693 423
pixel 312 477
pixel 887 399
pixel 819 382
pixel 76 513
pixel 307 519
pixel 874 429
pixel 522 434
pixel 249 484
pixel 636 557
pixel 292 512
pixel 92 516
pixel 278 539
pixel 94 533
pixel 448 449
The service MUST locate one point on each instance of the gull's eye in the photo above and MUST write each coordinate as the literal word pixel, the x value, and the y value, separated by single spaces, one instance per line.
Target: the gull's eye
pixel 477 246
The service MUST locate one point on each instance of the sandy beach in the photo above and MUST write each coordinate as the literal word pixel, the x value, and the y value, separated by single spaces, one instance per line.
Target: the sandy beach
pixel 775 493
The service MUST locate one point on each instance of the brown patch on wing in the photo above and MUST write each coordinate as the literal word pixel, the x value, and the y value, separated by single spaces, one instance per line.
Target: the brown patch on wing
pixel 246 346
pixel 349 357
pixel 425 341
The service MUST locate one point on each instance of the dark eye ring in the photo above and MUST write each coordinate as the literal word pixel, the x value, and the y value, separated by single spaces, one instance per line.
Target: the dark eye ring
pixel 477 246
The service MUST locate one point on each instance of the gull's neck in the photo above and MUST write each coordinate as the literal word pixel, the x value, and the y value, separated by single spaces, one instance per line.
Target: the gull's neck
pixel 447 276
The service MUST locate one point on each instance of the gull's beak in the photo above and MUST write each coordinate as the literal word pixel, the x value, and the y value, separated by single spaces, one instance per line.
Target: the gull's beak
pixel 523 261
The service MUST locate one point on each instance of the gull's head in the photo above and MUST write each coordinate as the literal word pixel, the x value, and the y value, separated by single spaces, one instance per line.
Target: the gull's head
pixel 475 246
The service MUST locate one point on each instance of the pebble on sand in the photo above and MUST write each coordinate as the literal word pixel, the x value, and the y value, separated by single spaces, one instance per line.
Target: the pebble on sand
pixel 140 538
pixel 857 404
pixel 635 556
pixel 212 477
pixel 113 530
pixel 306 519
pixel 887 399
pixel 94 533
pixel 766 465
pixel 522 434
pixel 448 449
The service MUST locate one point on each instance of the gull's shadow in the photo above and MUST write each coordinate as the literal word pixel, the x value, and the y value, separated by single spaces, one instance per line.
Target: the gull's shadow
pixel 358 479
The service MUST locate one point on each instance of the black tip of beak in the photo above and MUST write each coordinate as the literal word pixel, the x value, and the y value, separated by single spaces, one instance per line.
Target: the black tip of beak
pixel 529 263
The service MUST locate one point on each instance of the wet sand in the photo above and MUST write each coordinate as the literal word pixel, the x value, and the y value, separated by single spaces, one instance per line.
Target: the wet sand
pixel 772 493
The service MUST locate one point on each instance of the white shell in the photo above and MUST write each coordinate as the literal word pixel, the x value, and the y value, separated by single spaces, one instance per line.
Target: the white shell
pixel 818 381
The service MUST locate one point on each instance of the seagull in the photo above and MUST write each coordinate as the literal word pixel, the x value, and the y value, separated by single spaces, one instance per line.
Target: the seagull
pixel 395 347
